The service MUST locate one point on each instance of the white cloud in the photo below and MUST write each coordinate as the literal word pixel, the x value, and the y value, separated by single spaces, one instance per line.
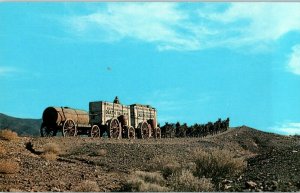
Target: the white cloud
pixel 265 20
pixel 290 128
pixel 294 60
pixel 255 23
pixel 158 23
pixel 4 70
pixel 170 27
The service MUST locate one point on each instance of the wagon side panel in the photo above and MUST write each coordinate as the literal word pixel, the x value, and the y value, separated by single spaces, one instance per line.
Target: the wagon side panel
pixel 140 113
pixel 96 113
pixel 108 112
pixel 133 116
pixel 126 110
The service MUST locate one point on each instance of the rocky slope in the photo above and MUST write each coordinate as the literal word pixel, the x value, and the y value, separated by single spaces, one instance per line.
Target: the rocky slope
pixel 273 161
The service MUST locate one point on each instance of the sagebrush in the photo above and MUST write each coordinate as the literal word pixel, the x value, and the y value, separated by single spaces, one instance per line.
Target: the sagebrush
pixel 49 156
pixel 9 167
pixel 167 165
pixel 51 148
pixel 2 150
pixel 8 135
pixel 217 163
pixel 140 181
pixel 87 186
pixel 50 151
pixel 185 181
pixel 100 152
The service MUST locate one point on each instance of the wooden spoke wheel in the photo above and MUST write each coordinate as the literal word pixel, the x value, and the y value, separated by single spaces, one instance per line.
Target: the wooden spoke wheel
pixel 131 133
pixel 157 133
pixel 114 129
pixel 144 130
pixel 47 131
pixel 95 131
pixel 69 128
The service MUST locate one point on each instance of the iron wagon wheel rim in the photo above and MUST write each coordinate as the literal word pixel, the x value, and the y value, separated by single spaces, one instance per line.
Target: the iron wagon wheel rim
pixel 131 133
pixel 157 133
pixel 95 131
pixel 144 128
pixel 114 128
pixel 69 128
pixel 46 131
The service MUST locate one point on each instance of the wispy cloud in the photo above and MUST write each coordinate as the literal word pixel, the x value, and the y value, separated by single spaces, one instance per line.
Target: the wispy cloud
pixel 253 24
pixel 263 21
pixel 294 60
pixel 160 23
pixel 287 128
pixel 171 27
pixel 18 73
pixel 4 70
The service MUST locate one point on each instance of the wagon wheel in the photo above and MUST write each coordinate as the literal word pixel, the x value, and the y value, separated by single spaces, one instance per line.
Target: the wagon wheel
pixel 144 130
pixel 131 133
pixel 47 131
pixel 152 131
pixel 157 133
pixel 95 131
pixel 115 129
pixel 69 128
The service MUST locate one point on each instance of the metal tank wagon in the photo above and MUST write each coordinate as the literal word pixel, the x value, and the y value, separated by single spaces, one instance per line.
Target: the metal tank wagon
pixel 110 119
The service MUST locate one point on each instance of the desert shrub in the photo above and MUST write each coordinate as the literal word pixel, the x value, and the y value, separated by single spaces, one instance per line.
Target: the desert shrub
pixel 15 190
pixel 185 181
pixel 49 156
pixel 152 177
pixel 9 167
pixel 217 163
pixel 51 148
pixel 166 164
pixel 50 151
pixel 2 150
pixel 142 186
pixel 191 166
pixel 8 135
pixel 100 152
pixel 146 182
pixel 87 186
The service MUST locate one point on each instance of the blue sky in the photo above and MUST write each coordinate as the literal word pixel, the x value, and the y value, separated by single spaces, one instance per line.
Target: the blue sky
pixel 194 62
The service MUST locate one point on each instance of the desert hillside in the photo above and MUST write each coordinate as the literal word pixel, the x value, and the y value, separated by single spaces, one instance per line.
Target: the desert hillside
pixel 239 159
pixel 24 127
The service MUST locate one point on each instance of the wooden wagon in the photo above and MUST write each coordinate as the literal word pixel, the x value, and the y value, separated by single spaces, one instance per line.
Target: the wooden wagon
pixel 69 121
pixel 112 118
pixel 143 119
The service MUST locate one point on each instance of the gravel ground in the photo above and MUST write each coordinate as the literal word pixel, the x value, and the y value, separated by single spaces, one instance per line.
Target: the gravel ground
pixel 273 161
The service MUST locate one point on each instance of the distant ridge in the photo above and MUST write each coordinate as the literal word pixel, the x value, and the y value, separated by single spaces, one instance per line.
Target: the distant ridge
pixel 253 139
pixel 23 127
